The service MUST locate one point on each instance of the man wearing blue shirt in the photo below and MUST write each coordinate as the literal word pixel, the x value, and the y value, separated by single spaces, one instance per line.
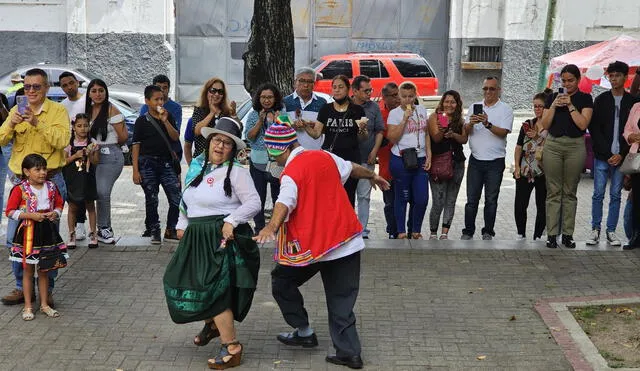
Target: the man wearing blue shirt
pixel 303 105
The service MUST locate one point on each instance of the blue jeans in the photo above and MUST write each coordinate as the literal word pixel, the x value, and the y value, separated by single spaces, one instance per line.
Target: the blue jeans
pixel 628 218
pixel 260 181
pixel 602 171
pixel 5 155
pixel 156 172
pixel 363 196
pixel 487 174
pixel 409 186
pixel 12 227
pixel 388 197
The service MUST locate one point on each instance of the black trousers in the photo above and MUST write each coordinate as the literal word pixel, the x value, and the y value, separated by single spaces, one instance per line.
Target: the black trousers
pixel 341 280
pixel 523 193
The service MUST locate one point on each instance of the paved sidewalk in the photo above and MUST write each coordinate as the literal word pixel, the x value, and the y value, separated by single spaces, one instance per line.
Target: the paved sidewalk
pixel 425 305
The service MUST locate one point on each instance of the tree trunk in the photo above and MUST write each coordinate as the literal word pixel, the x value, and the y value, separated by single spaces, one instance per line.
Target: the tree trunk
pixel 270 52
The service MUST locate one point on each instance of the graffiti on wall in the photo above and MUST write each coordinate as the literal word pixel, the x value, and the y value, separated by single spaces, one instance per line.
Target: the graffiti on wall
pixel 334 13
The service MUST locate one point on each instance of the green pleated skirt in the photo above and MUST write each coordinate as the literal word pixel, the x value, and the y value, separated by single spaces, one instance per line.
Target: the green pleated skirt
pixel 203 280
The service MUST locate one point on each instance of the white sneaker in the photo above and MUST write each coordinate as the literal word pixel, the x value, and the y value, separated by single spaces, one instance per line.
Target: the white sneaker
pixel 81 232
pixel 613 239
pixel 520 237
pixel 595 237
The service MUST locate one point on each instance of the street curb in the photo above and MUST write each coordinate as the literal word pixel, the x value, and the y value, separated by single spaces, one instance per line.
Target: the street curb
pixel 574 342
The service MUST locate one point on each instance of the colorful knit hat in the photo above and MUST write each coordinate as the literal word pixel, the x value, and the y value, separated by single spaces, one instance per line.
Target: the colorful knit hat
pixel 279 137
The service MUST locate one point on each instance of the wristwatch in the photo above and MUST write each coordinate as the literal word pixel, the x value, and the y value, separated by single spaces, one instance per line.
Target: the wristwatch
pixel 488 125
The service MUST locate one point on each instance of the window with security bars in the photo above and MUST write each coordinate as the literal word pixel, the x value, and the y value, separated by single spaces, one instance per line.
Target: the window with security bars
pixel 484 54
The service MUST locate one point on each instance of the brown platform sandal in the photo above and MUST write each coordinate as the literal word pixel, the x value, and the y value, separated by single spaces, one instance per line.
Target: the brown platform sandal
pixel 224 359
pixel 416 236
pixel 205 335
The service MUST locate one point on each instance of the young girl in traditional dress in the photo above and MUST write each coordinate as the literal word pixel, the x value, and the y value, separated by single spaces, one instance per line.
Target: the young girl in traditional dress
pixel 80 177
pixel 37 204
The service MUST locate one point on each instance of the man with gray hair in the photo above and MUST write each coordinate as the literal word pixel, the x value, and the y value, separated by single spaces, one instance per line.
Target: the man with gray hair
pixel 488 124
pixel 303 105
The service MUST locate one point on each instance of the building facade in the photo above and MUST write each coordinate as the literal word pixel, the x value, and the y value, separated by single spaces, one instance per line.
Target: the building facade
pixel 129 41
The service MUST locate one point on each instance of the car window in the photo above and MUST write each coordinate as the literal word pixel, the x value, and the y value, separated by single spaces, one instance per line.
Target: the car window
pixel 316 63
pixel 335 68
pixel 413 67
pixel 373 68
pixel 54 76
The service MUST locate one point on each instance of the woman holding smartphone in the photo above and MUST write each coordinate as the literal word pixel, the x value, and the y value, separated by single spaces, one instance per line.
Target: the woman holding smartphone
pixel 267 105
pixel 446 129
pixel 529 172
pixel 566 116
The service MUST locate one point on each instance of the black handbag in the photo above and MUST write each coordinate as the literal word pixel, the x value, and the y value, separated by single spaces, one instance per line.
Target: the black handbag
pixel 175 160
pixel 410 155
pixel 409 158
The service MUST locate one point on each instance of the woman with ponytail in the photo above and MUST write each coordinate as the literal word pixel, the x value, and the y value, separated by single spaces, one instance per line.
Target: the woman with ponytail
pixel 215 243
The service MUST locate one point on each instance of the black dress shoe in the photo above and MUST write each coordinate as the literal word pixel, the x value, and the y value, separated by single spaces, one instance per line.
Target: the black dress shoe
pixel 552 242
pixel 568 242
pixel 351 361
pixel 294 339
pixel 630 247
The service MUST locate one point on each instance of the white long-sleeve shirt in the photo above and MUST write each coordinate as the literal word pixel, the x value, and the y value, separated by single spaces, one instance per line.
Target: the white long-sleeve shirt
pixel 289 197
pixel 208 197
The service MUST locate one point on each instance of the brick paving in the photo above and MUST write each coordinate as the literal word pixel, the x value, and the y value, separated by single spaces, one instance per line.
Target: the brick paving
pixel 422 304
pixel 430 305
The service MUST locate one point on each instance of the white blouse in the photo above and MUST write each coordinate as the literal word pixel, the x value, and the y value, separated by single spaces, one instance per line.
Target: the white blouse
pixel 208 197
pixel 112 136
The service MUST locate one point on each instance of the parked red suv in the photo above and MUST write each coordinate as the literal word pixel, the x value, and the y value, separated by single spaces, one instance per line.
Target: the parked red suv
pixel 380 67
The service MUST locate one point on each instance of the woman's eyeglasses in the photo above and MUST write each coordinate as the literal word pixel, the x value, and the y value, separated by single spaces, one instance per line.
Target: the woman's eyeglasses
pixel 218 91
pixel 225 143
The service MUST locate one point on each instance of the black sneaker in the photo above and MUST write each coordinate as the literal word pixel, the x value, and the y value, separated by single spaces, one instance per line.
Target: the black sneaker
pixel 146 233
pixel 568 242
pixel 155 237
pixel 105 235
pixel 552 242
pixel 292 338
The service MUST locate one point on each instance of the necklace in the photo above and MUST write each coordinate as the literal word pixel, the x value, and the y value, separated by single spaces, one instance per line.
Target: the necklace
pixel 342 107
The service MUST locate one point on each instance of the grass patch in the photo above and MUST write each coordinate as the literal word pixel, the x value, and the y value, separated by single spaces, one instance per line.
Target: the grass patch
pixel 614 330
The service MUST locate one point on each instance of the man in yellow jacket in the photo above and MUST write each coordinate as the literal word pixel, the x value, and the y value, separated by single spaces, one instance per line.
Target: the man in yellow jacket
pixel 42 128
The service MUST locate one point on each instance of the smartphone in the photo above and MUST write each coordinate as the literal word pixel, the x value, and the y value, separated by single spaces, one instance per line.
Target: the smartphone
pixel 561 90
pixel 477 109
pixel 443 120
pixel 526 125
pixel 22 104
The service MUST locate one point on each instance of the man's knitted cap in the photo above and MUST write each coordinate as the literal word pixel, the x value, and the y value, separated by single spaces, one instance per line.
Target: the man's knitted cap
pixel 279 136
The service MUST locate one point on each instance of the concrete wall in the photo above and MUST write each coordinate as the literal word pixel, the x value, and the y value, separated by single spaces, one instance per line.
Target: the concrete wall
pixel 519 27
pixel 123 41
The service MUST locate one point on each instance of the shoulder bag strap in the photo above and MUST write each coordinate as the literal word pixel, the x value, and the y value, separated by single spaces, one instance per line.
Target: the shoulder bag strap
pixel 333 142
pixel 156 126
pixel 417 135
